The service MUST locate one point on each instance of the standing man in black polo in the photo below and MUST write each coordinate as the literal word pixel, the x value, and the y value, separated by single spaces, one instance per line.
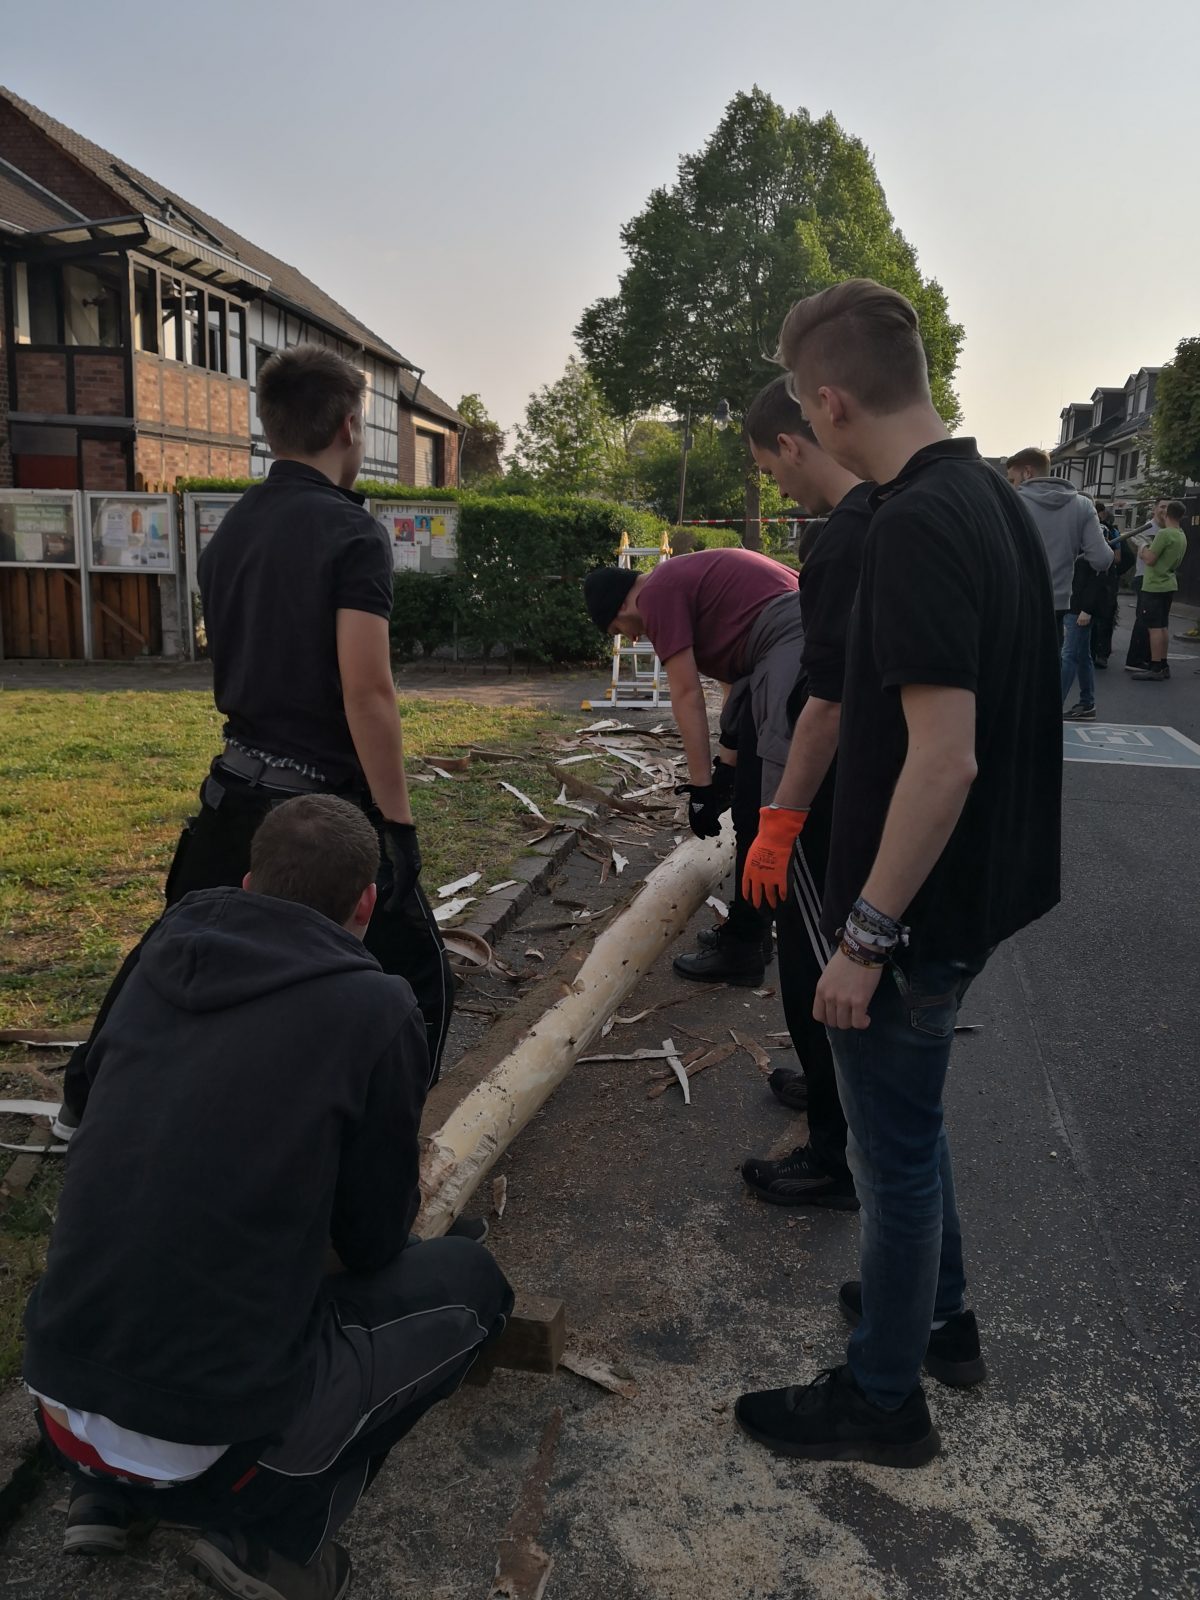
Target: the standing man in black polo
pixel 296 586
pixel 785 866
pixel 945 842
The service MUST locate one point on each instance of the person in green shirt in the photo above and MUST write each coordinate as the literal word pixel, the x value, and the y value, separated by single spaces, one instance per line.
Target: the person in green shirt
pixel 1162 559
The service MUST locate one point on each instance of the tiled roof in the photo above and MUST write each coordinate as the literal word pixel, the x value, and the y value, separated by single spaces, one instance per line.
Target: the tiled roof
pixel 144 195
pixel 26 206
pixel 427 401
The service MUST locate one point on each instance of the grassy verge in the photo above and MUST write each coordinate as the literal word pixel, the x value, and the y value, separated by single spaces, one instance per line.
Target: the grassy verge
pixel 95 787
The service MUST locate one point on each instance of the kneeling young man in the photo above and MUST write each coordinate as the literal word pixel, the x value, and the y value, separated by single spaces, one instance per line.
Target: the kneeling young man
pixel 732 615
pixel 257 1094
pixel 946 830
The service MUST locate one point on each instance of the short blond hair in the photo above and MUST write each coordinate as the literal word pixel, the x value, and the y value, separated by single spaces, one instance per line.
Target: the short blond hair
pixel 859 336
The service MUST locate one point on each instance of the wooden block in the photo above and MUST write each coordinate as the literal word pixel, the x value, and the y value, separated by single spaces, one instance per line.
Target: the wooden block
pixel 533 1341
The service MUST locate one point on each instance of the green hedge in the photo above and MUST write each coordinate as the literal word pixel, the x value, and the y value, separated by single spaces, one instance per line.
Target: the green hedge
pixel 685 539
pixel 521 565
pixel 368 486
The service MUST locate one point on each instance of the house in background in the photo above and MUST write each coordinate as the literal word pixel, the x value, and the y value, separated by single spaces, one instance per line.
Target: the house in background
pixel 1101 447
pixel 135 325
pixel 133 331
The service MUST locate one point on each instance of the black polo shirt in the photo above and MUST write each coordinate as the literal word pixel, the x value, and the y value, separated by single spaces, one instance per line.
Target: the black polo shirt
pixel 293 552
pixel 954 592
pixel 828 584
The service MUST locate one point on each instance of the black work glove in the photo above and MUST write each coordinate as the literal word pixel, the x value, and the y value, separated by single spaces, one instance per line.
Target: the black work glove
pixel 704 808
pixel 401 848
pixel 723 779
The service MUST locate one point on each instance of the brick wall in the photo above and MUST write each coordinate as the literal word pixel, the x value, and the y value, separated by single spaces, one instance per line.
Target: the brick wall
pixel 105 464
pixel 406 448
pixel 41 382
pixel 6 468
pixel 158 463
pixel 28 148
pixel 406 464
pixel 99 385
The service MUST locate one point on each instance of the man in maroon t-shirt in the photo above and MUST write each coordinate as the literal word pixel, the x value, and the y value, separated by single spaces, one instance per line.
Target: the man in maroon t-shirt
pixel 733 615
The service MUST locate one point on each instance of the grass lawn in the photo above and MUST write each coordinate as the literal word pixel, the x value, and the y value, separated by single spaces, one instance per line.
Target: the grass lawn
pixel 95 787
pixel 93 791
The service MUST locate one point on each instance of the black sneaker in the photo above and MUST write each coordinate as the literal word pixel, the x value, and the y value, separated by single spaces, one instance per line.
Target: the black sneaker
pixel 1080 713
pixel 801 1179
pixel 789 1087
pixel 245 1569
pixel 473 1228
pixel 1151 674
pixel 1101 663
pixel 739 963
pixel 952 1356
pixel 100 1524
pixel 710 939
pixel 831 1419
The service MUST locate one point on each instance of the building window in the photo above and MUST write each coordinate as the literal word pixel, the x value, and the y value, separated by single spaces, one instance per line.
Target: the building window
pixel 1122 465
pixel 237 342
pixel 1093 467
pixel 1139 404
pixel 218 359
pixel 145 310
pixel 193 327
pixel 428 455
pixel 172 319
pixel 37 303
pixel 91 308
pixel 1134 457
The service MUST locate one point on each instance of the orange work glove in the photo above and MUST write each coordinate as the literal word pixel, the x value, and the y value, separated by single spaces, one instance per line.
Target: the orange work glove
pixel 766 874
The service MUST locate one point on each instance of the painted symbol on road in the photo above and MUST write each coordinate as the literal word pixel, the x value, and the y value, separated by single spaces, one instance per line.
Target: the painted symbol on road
pixel 1128 745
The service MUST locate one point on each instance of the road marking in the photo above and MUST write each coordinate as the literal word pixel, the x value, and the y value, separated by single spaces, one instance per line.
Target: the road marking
pixel 1129 745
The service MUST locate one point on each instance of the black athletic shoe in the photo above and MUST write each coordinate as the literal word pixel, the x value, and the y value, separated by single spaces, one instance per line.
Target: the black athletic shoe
pixel 1080 713
pixel 740 964
pixel 473 1228
pixel 1101 663
pixel 710 939
pixel 952 1356
pixel 100 1524
pixel 800 1179
pixel 831 1419
pixel 246 1569
pixel 1151 674
pixel 789 1087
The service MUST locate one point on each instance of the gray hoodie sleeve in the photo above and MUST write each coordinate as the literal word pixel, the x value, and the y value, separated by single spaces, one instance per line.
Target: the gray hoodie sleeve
pixel 1092 545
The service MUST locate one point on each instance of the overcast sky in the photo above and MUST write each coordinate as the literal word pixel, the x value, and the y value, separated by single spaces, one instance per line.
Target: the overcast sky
pixel 457 175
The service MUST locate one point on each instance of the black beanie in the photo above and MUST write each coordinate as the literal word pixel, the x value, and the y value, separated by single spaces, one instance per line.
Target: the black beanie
pixel 604 593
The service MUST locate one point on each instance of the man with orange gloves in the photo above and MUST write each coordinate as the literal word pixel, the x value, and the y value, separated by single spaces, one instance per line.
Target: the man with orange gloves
pixel 782 869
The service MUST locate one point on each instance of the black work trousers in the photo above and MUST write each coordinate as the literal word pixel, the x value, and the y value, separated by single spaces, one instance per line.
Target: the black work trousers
pixel 389 1346
pixel 746 924
pixel 214 853
pixel 803 952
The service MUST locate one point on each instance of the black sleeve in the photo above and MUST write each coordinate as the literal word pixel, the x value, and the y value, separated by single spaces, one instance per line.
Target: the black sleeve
pixel 827 593
pixel 925 604
pixel 378 1193
pixel 362 578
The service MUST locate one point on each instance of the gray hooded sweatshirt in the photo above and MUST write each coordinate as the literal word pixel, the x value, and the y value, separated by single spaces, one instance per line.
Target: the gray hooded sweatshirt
pixel 1070 528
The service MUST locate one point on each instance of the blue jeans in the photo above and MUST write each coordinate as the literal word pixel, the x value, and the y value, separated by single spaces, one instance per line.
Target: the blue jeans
pixel 1077 658
pixel 890 1079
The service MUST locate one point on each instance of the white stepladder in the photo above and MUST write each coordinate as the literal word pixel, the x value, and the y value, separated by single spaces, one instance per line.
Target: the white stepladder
pixel 638 680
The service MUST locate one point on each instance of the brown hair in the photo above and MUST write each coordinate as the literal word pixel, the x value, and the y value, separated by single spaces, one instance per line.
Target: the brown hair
pixel 772 412
pixel 304 395
pixel 859 336
pixel 317 851
pixel 1032 457
pixel 1176 509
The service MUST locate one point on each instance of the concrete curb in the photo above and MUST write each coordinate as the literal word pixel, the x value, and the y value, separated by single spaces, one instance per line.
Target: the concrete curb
pixel 496 913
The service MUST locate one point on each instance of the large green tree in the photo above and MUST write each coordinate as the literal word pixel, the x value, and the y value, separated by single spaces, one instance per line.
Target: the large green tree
pixel 570 441
pixel 484 442
pixel 1177 415
pixel 776 206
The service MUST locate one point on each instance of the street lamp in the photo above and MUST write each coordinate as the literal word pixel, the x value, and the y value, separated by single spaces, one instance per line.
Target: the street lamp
pixel 720 419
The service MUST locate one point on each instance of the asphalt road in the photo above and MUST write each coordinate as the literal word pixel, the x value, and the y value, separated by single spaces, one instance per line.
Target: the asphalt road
pixel 1073 1115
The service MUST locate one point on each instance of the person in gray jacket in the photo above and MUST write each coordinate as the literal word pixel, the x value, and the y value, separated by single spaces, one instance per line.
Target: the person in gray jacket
pixel 1066 520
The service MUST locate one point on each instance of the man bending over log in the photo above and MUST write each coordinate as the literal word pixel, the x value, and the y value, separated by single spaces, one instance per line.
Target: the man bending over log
pixel 732 615
pixel 256 1094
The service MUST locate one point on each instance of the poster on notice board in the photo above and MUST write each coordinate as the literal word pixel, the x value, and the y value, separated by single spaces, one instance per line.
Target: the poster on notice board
pixel 133 534
pixel 424 538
